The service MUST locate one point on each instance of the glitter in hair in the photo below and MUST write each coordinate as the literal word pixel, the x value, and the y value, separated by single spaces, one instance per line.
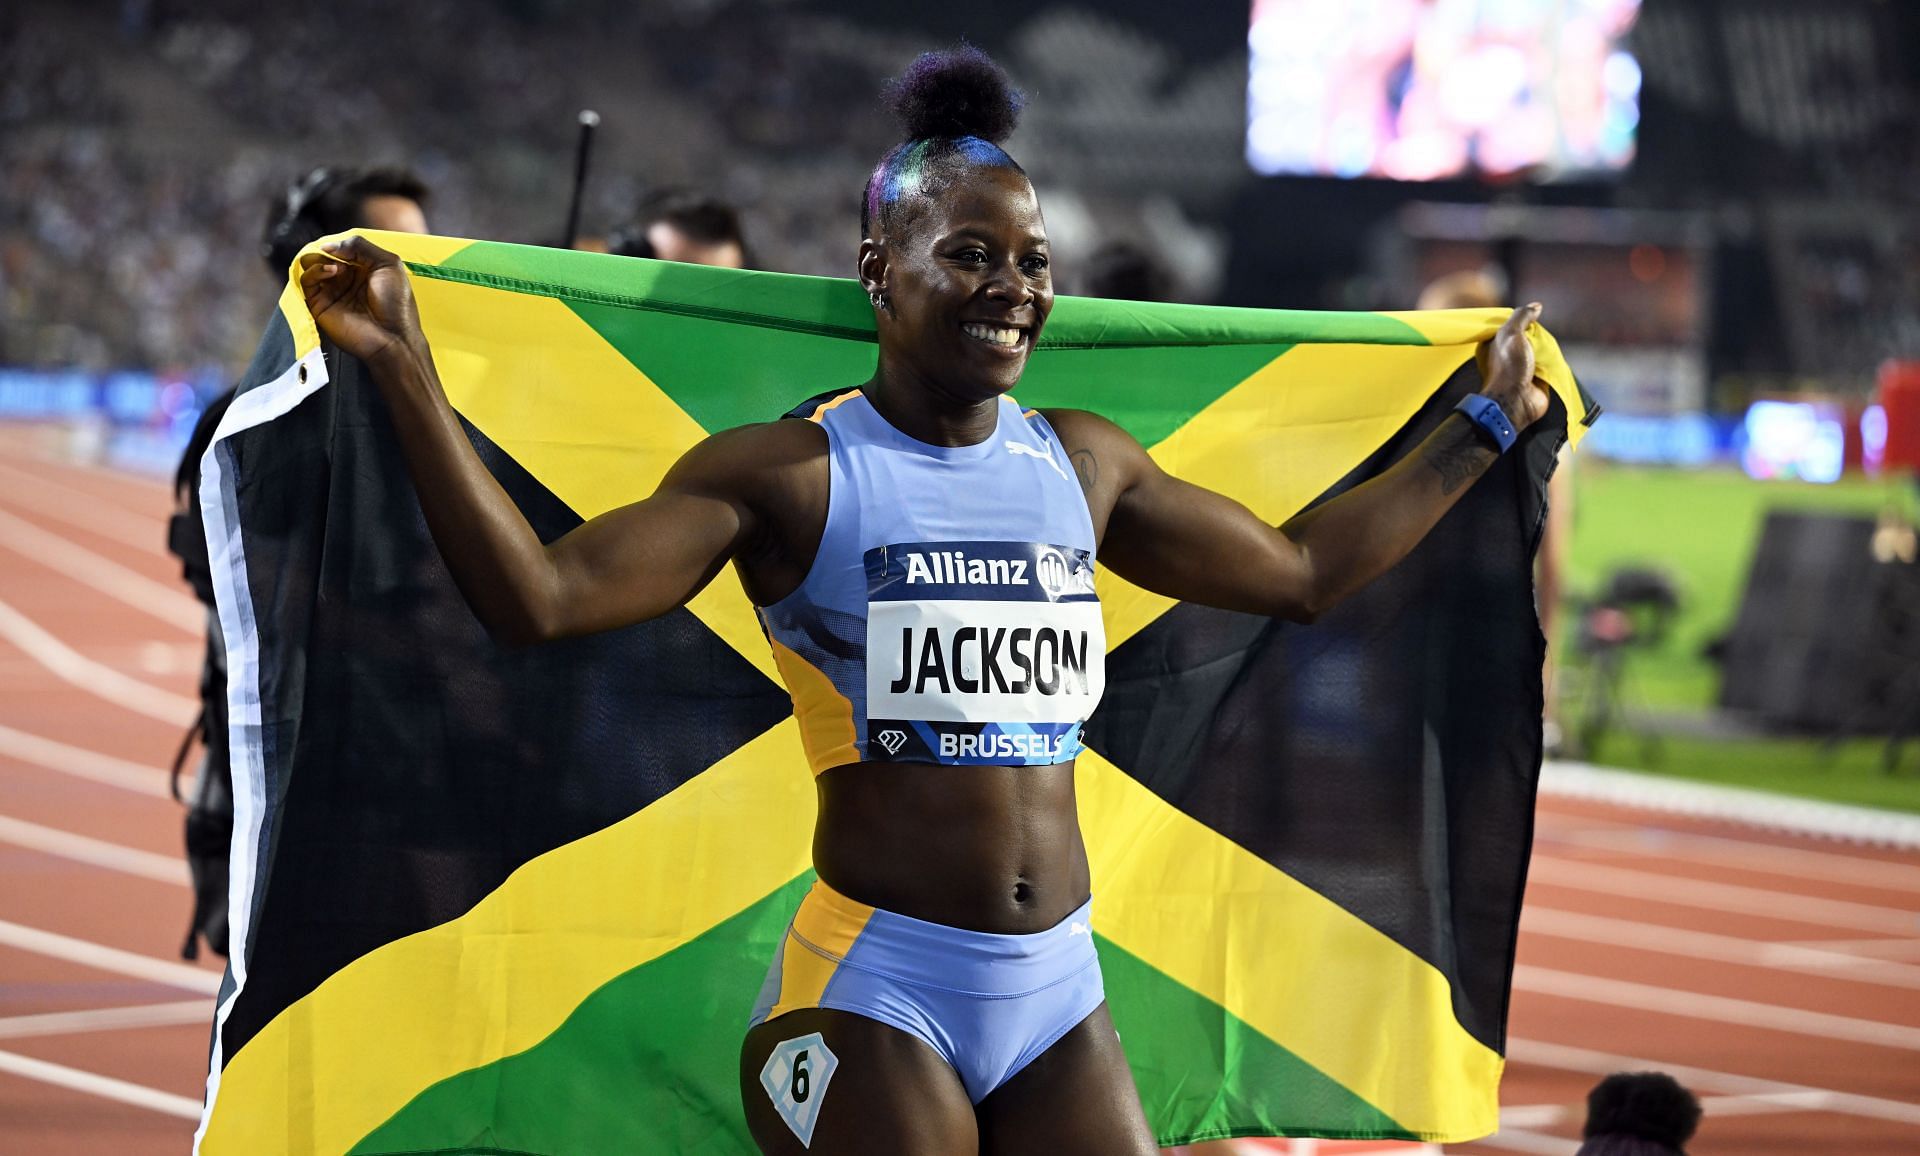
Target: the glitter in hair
pixel 910 169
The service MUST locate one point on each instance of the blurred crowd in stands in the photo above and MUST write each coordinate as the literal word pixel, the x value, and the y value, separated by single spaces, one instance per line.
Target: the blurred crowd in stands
pixel 144 140
pixel 141 139
pixel 142 151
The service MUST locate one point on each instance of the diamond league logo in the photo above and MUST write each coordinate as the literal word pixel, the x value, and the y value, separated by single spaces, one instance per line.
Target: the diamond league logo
pixel 891 739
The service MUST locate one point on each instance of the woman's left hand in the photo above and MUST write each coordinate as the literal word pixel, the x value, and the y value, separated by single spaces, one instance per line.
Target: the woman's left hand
pixel 1506 369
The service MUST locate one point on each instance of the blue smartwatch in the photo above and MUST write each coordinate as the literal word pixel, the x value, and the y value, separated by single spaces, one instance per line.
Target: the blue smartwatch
pixel 1489 419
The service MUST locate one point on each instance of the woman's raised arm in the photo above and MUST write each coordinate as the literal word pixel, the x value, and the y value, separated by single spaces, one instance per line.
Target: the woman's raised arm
pixel 1186 542
pixel 625 566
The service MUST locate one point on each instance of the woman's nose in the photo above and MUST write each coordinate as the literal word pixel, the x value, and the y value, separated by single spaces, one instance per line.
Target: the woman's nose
pixel 1006 284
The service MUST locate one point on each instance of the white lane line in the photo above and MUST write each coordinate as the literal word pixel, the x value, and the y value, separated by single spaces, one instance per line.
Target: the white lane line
pixel 1515 1139
pixel 1535 1116
pixel 127 482
pixel 144 657
pixel 71 666
pixel 53 755
pixel 163 600
pixel 1620 993
pixel 106 1087
pixel 131 490
pixel 107 1019
pixel 1732 898
pixel 94 852
pixel 103 958
pixel 1730 804
pixel 1891 949
pixel 1766 1105
pixel 1564 1058
pixel 1745 854
pixel 1706 945
pixel 79 508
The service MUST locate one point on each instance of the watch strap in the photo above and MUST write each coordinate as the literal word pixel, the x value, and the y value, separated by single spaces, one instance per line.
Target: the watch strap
pixel 1490 420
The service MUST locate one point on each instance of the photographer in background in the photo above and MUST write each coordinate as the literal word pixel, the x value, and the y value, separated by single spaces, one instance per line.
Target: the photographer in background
pixel 676 224
pixel 332 200
pixel 326 200
pixel 1123 271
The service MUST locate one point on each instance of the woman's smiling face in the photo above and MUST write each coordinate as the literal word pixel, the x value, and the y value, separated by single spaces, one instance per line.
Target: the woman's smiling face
pixel 968 284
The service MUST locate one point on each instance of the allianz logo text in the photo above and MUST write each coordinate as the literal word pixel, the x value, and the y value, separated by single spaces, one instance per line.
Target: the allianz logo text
pixel 1050 571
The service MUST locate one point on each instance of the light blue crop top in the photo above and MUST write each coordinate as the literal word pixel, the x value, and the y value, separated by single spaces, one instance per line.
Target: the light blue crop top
pixel 950 614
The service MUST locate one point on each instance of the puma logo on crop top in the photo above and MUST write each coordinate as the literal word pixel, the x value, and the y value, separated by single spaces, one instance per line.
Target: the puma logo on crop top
pixel 950 614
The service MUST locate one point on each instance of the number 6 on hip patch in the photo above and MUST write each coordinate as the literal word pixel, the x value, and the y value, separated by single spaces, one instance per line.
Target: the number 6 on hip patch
pixel 796 1077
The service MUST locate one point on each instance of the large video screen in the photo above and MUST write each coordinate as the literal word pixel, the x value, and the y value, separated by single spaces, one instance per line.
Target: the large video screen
pixel 1422 90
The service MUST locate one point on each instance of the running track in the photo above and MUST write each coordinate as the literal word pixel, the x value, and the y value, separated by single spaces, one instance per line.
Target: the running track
pixel 1777 976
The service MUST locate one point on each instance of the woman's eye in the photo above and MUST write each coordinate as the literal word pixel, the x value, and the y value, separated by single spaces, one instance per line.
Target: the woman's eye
pixel 1034 264
pixel 972 256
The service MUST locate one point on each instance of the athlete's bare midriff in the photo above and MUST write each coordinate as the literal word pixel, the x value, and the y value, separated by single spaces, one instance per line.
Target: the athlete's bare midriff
pixel 983 848
pixel 992 849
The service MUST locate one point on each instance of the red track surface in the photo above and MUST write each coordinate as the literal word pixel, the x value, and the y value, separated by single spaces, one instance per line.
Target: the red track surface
pixel 1647 939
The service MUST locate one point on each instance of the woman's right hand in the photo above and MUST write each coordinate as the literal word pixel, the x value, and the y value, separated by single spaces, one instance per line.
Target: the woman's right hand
pixel 360 297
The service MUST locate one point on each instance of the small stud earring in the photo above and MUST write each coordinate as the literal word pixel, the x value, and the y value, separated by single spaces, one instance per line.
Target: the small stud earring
pixel 879 300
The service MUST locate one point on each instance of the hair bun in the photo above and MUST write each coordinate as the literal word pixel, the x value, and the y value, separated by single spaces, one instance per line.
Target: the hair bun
pixel 954 93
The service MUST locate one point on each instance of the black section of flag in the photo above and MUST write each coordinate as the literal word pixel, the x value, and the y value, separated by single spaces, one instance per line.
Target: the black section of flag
pixel 411 763
pixel 1387 755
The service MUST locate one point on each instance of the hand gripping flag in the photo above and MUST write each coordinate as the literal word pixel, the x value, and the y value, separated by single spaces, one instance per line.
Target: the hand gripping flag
pixel 522 900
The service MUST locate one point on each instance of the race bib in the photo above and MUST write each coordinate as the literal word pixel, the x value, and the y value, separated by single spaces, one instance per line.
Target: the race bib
pixel 981 652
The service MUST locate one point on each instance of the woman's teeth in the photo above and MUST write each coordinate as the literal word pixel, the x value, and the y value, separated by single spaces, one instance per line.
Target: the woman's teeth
pixel 992 334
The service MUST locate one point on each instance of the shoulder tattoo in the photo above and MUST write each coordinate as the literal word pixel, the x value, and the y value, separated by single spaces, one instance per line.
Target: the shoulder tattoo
pixel 1087 467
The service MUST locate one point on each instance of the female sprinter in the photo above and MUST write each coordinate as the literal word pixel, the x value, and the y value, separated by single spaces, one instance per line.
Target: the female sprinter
pixel 921 552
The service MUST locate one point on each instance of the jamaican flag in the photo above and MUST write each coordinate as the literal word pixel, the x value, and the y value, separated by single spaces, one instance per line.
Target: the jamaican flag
pixel 494 899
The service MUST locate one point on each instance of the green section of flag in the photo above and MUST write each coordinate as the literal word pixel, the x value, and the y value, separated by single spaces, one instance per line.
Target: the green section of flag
pixel 822 306
pixel 1087 322
pixel 733 347
pixel 1149 391
pixel 767 371
pixel 679 1018
pixel 666 1017
pixel 834 306
pixel 1178 1040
